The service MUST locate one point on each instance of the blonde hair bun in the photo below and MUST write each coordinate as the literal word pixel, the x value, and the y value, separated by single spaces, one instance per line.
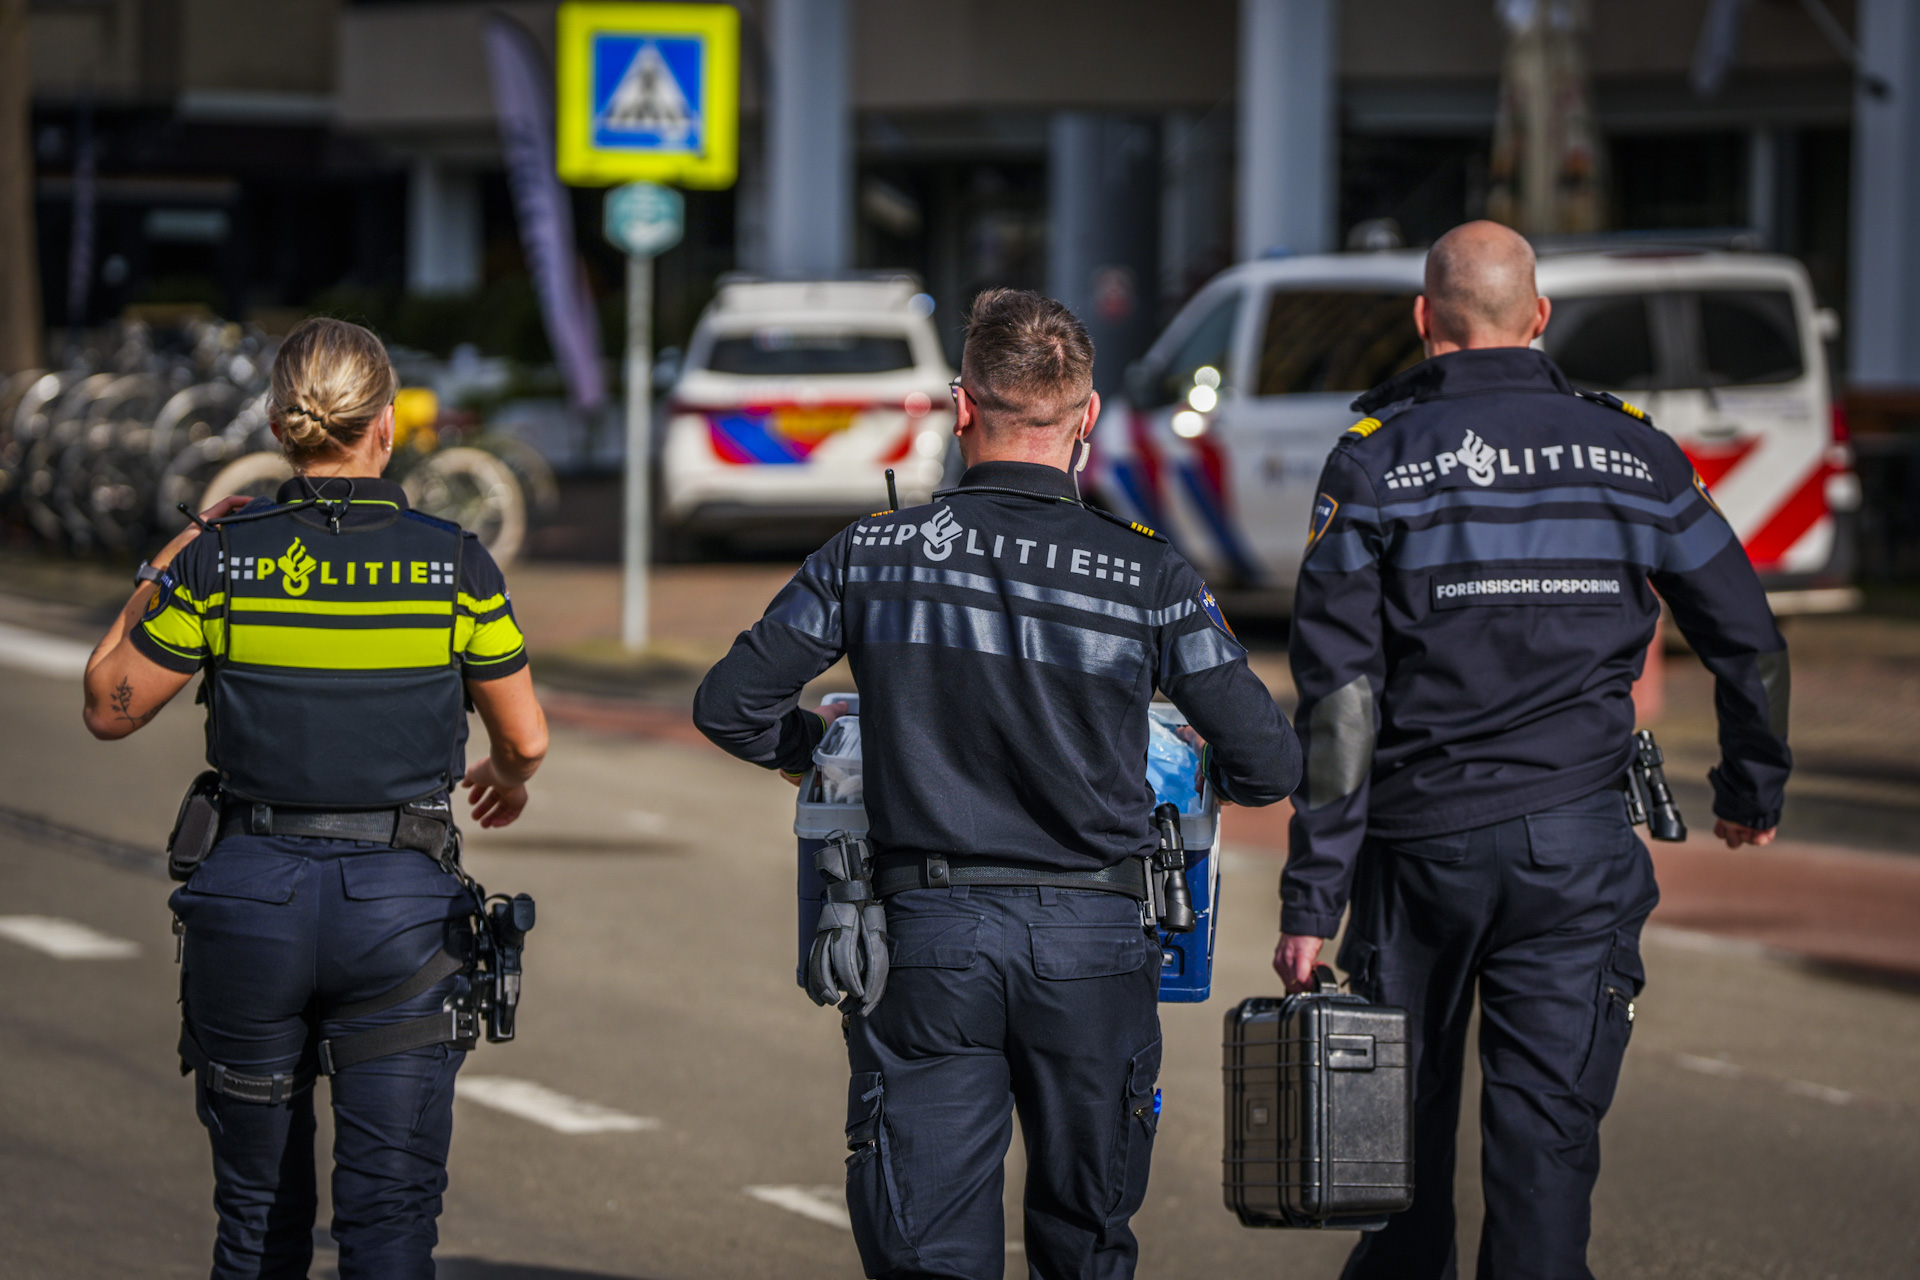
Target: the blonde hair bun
pixel 331 379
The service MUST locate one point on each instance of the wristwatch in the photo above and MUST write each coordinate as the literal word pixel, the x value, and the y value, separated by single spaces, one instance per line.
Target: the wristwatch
pixel 147 573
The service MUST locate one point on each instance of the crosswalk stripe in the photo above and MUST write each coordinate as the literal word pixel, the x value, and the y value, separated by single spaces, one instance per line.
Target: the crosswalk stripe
pixel 821 1204
pixel 43 654
pixel 547 1107
pixel 65 939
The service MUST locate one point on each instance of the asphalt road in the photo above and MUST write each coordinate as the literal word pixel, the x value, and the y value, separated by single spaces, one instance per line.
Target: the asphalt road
pixel 1768 1122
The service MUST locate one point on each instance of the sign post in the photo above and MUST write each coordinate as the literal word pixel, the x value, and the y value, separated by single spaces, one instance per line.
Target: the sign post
pixel 645 221
pixel 647 93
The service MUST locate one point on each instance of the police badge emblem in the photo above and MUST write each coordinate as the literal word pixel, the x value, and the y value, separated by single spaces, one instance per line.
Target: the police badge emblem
pixel 1211 607
pixel 1324 508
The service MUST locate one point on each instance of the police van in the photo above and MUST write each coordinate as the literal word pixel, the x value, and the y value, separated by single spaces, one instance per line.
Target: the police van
pixel 1230 416
pixel 795 399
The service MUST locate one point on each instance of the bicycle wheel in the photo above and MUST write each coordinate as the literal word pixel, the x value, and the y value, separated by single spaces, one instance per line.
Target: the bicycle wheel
pixel 256 475
pixel 475 490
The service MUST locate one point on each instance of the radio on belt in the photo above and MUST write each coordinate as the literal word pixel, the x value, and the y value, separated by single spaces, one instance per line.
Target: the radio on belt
pixel 1186 958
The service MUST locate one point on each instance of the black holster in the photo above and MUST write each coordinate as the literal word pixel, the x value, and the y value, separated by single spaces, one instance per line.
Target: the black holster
pixel 196 827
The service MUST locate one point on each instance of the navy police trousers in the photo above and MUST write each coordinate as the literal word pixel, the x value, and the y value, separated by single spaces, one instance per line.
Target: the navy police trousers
pixel 277 930
pixel 1543 915
pixel 1040 1000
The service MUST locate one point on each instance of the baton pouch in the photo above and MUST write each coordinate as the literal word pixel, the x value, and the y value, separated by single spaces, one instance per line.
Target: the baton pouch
pixel 198 825
pixel 1319 1111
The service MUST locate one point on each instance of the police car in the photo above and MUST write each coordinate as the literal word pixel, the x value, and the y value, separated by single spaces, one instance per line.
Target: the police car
pixel 1230 415
pixel 795 400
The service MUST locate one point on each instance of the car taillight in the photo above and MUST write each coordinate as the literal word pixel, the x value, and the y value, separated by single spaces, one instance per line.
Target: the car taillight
pixel 1840 446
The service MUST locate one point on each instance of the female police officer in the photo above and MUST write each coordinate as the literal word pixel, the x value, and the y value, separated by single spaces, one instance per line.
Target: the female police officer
pixel 340 634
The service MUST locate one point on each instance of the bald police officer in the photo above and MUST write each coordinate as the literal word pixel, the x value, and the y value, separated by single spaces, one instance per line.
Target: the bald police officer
pixel 1006 640
pixel 1476 601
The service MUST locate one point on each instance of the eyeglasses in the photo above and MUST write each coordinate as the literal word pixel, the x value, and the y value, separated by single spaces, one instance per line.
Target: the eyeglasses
pixel 953 391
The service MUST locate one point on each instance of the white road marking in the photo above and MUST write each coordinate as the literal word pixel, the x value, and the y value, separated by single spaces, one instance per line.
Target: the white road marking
pixel 648 824
pixel 821 1204
pixel 544 1106
pixel 826 1205
pixel 1819 1092
pixel 1706 943
pixel 1732 1071
pixel 43 654
pixel 65 939
pixel 1711 1066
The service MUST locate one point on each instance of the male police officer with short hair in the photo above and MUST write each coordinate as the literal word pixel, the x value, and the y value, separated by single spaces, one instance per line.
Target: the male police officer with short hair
pixel 1474 606
pixel 1006 640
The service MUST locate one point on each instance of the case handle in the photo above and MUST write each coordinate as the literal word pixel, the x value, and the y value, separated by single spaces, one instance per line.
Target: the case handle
pixel 1349 1053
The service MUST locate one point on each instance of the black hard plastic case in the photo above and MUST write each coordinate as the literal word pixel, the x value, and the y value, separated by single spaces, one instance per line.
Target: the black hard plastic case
pixel 1319 1095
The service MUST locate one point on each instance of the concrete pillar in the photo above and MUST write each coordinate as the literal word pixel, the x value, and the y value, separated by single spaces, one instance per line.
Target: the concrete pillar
pixel 1764 186
pixel 1884 330
pixel 444 248
pixel 1289 145
pixel 809 200
pixel 1103 204
pixel 1195 199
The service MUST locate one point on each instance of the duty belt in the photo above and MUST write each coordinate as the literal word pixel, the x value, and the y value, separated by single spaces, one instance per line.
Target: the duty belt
pixel 404 828
pixel 898 873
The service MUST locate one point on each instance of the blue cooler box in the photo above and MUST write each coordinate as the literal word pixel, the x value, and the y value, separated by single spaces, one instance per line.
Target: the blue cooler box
pixel 1186 959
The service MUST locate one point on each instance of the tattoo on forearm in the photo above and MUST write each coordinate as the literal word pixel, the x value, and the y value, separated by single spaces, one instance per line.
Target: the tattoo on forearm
pixel 122 700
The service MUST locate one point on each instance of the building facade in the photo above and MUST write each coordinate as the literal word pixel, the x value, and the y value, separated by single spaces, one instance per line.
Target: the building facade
pixel 262 158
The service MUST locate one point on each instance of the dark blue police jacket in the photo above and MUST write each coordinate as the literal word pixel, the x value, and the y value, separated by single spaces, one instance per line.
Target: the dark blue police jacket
pixel 1476 601
pixel 1006 641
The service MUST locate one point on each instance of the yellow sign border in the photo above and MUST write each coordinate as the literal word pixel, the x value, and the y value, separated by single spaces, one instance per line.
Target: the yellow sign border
pixel 582 164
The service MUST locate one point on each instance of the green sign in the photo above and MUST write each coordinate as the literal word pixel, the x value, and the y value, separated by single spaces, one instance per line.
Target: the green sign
pixel 644 219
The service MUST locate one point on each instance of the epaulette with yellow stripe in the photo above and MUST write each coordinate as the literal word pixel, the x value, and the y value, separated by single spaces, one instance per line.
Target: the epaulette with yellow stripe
pixel 1364 428
pixel 1612 401
pixel 1134 525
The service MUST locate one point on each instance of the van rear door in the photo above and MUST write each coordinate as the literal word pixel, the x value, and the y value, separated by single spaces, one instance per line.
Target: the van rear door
pixel 1723 366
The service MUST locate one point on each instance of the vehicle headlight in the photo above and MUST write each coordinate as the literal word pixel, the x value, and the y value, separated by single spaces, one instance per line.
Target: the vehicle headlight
pixel 1202 398
pixel 1189 425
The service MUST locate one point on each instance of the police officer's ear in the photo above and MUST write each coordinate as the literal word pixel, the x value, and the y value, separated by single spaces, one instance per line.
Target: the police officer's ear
pixel 1088 416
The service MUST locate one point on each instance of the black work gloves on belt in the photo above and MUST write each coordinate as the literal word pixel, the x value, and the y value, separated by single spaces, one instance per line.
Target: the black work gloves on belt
pixel 850 948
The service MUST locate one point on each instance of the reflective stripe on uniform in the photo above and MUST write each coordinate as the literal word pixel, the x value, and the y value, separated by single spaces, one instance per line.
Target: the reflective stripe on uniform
pixel 341 648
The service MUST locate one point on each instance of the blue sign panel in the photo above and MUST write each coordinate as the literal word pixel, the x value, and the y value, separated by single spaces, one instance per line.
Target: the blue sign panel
pixel 647 93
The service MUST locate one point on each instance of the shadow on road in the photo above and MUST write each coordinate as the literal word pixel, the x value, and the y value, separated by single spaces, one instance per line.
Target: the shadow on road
pixel 481 1269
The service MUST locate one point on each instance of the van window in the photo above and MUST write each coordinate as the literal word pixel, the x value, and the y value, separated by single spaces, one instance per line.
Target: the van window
pixel 1209 345
pixel 779 351
pixel 1335 340
pixel 1602 341
pixel 1749 335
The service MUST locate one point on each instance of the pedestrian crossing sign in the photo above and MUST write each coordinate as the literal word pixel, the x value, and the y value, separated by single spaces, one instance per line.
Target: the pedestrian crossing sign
pixel 648 92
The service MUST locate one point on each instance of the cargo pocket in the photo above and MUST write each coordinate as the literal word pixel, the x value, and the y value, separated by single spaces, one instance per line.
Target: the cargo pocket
pixel 1591 829
pixel 1133 1151
pixel 254 875
pixel 873 1198
pixel 1621 979
pixel 379 874
pixel 1067 952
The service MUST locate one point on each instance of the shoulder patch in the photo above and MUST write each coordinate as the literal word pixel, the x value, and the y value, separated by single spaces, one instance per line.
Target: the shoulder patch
pixel 1211 607
pixel 1125 523
pixel 1364 428
pixel 1324 508
pixel 1611 401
